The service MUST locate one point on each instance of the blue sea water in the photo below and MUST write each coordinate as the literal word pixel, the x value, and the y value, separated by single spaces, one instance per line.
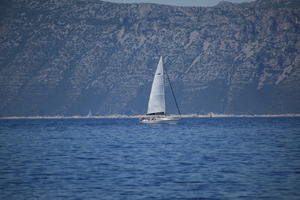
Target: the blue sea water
pixel 203 158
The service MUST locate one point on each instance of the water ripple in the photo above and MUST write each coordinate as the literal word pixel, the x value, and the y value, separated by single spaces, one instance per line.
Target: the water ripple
pixel 209 158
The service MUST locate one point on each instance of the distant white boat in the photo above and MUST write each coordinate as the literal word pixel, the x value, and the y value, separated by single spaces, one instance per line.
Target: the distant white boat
pixel 157 105
pixel 89 114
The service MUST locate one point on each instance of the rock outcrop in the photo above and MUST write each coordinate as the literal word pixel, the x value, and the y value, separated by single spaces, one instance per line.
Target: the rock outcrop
pixel 66 57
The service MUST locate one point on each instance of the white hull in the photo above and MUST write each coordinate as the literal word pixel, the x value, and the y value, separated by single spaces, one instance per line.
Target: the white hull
pixel 160 120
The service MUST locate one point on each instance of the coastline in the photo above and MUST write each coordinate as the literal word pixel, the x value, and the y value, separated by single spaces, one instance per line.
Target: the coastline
pixel 211 115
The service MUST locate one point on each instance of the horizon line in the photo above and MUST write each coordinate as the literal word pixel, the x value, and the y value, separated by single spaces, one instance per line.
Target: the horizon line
pixel 117 116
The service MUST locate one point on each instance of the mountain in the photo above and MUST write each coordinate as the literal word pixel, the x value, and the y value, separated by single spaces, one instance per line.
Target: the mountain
pixel 67 57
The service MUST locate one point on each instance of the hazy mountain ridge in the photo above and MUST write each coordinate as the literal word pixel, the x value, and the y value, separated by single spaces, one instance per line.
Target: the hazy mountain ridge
pixel 69 57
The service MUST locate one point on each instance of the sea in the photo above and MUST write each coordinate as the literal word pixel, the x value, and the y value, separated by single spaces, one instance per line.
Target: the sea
pixel 200 158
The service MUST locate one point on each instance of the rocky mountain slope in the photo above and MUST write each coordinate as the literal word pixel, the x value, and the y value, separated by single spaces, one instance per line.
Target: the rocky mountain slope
pixel 69 57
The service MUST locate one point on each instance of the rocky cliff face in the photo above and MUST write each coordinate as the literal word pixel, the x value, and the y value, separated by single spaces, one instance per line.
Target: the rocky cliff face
pixel 66 57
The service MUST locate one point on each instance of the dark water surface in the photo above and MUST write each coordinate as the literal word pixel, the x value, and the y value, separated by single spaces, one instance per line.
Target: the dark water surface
pixel 206 158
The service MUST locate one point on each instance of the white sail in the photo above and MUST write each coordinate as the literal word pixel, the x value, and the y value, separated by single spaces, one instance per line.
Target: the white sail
pixel 157 103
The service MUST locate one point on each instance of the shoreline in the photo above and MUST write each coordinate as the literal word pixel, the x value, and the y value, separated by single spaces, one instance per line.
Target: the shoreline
pixel 212 115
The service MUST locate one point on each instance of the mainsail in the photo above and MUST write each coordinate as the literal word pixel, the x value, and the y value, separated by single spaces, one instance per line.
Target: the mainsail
pixel 157 105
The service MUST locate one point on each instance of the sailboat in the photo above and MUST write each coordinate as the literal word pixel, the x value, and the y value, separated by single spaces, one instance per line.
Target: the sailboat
pixel 157 105
pixel 89 114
